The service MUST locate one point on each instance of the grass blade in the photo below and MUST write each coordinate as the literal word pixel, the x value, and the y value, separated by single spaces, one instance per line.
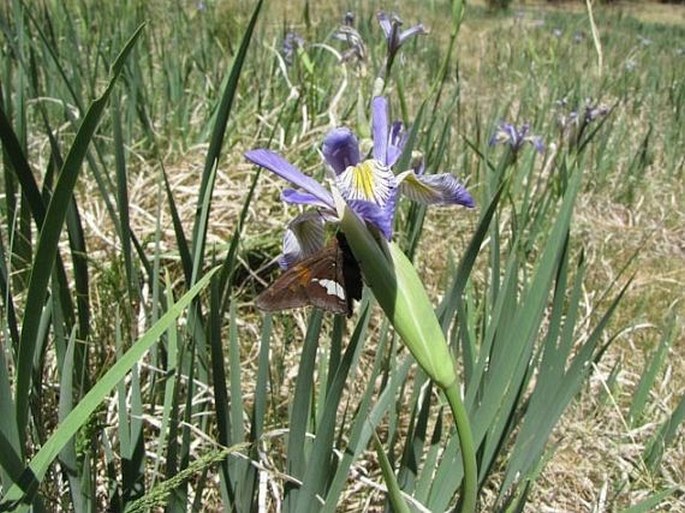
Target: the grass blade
pixel 394 492
pixel 319 465
pixel 215 144
pixel 665 435
pixel 221 398
pixel 49 237
pixel 649 375
pixel 300 409
pixel 651 502
pixel 79 415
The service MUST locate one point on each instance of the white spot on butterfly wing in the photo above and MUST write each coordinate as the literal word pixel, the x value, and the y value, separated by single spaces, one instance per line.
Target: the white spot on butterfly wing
pixel 333 288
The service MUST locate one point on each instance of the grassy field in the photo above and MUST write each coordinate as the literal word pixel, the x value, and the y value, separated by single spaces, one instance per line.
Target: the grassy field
pixel 136 373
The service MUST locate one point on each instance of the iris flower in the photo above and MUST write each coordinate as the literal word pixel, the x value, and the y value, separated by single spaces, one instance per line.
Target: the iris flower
pixel 507 133
pixel 355 44
pixel 368 185
pixel 391 24
pixel 574 124
pixel 292 42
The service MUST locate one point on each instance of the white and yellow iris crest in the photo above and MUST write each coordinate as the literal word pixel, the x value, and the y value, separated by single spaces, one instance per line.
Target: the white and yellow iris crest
pixel 369 180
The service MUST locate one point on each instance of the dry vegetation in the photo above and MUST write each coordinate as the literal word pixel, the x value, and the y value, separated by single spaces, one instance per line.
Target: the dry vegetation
pixel 597 462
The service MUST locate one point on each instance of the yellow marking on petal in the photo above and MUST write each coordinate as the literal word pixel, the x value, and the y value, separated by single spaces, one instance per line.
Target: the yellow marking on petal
pixel 363 179
pixel 368 181
pixel 415 189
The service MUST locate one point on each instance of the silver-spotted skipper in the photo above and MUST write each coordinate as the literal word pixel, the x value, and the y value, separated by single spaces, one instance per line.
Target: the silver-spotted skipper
pixel 330 279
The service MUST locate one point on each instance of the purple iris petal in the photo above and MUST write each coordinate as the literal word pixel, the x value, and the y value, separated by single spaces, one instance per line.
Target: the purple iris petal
pixel 515 136
pixel 303 237
pixel 396 141
pixel 385 22
pixel 390 24
pixel 302 198
pixel 291 43
pixel 412 31
pixel 341 149
pixel 507 133
pixel 368 181
pixel 380 217
pixel 442 189
pixel 278 165
pixel 538 144
pixel 379 124
pixel 369 187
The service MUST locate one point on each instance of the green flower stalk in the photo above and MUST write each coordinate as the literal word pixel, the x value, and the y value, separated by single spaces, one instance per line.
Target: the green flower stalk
pixel 399 291
pixel 362 199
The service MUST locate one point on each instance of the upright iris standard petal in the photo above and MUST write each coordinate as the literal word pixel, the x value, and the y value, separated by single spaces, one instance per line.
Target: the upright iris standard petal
pixel 341 149
pixel 379 125
pixel 278 165
pixel 396 142
pixel 303 237
pixel 386 23
pixel 442 189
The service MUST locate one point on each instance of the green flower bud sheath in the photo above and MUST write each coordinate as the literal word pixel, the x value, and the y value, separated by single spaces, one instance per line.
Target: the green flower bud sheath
pixel 399 291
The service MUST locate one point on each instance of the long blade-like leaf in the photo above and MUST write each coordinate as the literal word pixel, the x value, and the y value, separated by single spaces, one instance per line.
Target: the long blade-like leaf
pixel 49 237
pixel 82 411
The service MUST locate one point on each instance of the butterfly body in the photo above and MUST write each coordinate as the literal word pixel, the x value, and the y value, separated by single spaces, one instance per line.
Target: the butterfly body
pixel 330 280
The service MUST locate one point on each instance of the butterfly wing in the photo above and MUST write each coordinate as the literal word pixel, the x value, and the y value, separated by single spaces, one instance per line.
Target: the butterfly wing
pixel 317 281
pixel 349 273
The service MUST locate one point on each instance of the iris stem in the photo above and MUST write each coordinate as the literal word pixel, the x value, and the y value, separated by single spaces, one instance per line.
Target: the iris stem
pixel 468 453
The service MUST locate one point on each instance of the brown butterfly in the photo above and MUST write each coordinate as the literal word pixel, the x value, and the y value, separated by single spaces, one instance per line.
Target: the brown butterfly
pixel 330 279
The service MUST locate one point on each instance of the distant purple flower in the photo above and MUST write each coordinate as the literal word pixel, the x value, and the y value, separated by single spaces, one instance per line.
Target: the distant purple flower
pixel 593 112
pixel 515 138
pixel 557 32
pixel 574 123
pixel 291 43
pixel 355 44
pixel 391 24
pixel 369 186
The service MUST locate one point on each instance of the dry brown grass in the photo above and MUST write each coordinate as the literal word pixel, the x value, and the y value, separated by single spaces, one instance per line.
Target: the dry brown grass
pixel 597 464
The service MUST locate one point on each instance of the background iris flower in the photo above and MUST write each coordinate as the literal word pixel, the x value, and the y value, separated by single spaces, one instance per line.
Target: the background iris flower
pixel 507 133
pixel 391 25
pixel 368 185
